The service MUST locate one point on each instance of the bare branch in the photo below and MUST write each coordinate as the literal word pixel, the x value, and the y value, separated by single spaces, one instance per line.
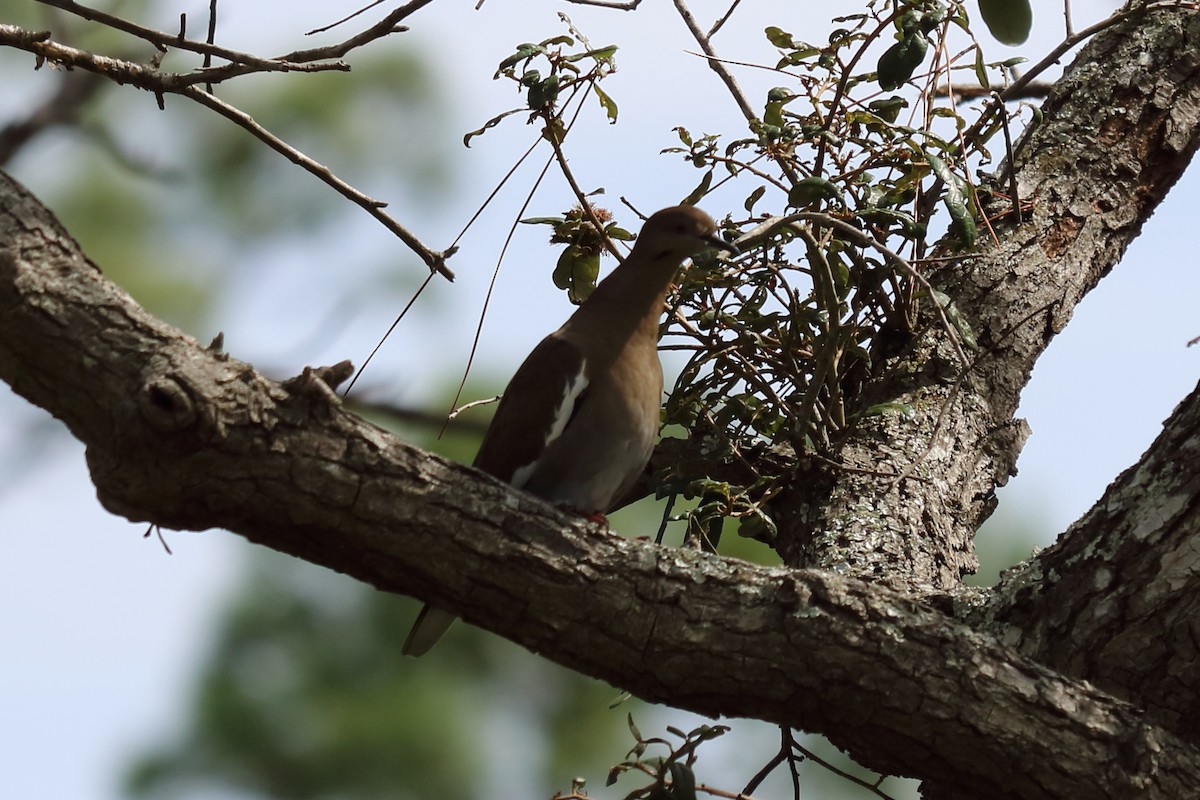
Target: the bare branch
pixel 160 83
pixel 434 259
pixel 628 5
pixel 714 62
pixel 385 27
pixel 164 41
pixel 720 23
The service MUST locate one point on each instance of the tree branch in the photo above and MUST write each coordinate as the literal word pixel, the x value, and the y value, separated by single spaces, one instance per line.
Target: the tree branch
pixel 160 83
pixel 1110 145
pixel 188 438
pixel 1116 599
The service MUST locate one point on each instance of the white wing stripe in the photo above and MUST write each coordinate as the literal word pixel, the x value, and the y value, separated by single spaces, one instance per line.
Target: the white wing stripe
pixel 562 415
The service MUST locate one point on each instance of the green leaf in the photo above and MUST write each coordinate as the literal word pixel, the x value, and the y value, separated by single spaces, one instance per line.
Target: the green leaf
pixel 962 221
pixel 759 527
pixel 811 189
pixel 781 94
pixel 576 271
pixel 491 123
pixel 780 38
pixel 609 105
pixel 562 38
pixel 888 108
pixel 710 732
pixel 754 197
pixel 543 93
pixel 633 729
pixel 555 131
pixel 700 190
pixel 599 54
pixel 900 61
pixel 909 227
pixel 954 318
pixel 585 272
pixel 883 409
pixel 1009 20
pixel 683 781
pixel 524 52
pixel 563 268
pixel 981 69
pixel 777 98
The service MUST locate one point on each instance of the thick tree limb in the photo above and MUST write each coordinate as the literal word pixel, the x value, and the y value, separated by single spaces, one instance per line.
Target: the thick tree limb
pixel 189 438
pixel 1116 600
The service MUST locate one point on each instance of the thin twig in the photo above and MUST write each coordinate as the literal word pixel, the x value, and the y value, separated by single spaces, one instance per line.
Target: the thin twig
pixel 863 239
pixel 495 191
pixel 487 300
pixel 436 261
pixel 1017 87
pixel 383 338
pixel 345 19
pixel 873 788
pixel 163 40
pixel 1013 189
pixel 840 90
pixel 720 23
pixel 210 39
pixel 156 529
pixel 769 767
pixel 363 405
pixel 715 63
pixel 161 83
pixel 628 5
pixel 212 31
pixel 586 206
pixel 715 792
pixel 385 27
pixel 474 403
pixel 500 260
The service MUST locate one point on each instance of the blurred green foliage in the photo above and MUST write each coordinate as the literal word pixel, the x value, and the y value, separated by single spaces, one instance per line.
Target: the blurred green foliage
pixel 172 204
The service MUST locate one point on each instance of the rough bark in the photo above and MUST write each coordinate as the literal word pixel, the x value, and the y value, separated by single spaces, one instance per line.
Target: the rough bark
pixel 1116 600
pixel 1112 141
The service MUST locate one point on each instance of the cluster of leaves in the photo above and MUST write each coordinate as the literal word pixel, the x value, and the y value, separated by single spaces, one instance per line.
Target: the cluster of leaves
pixel 866 175
pixel 672 774
pixel 578 266
pixel 559 71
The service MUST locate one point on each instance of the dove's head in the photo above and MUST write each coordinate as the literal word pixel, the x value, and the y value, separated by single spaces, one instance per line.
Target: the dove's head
pixel 680 231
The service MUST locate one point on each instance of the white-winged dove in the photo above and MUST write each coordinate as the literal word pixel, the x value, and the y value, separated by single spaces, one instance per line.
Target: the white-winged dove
pixel 578 421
